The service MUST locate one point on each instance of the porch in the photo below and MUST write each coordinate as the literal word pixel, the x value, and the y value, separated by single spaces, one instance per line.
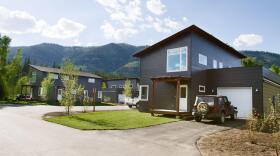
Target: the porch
pixel 181 96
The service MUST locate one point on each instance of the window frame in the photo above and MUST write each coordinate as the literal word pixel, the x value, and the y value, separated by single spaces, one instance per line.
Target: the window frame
pixel 40 91
pixel 86 93
pixel 140 92
pixel 113 86
pixel 170 51
pixel 200 56
pixel 201 88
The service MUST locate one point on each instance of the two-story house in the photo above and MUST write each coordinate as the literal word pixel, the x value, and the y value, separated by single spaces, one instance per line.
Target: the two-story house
pixel 91 83
pixel 193 62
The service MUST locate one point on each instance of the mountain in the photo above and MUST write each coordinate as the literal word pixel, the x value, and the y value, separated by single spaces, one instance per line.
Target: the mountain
pixel 267 58
pixel 112 58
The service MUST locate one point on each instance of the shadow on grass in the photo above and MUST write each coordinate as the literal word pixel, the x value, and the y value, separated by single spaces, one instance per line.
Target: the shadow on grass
pixel 96 122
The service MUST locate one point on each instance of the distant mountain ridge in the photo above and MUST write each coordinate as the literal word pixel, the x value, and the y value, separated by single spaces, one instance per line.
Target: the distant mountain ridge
pixel 111 58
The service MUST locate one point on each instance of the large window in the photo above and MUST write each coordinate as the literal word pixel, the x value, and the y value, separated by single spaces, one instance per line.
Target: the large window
pixel 221 65
pixel 177 59
pixel 54 76
pixel 40 91
pixel 85 93
pixel 33 78
pixel 144 92
pixel 202 59
pixel 99 94
pixel 91 80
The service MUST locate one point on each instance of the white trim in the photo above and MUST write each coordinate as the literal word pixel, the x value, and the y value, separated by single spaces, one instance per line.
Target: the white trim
pixel 85 93
pixel 140 93
pixel 180 49
pixel 221 65
pixel 202 59
pixel 201 89
pixel 271 82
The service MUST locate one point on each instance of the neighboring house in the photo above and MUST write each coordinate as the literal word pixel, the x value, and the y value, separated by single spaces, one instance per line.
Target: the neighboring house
pixel 193 62
pixel 38 73
pixel 115 88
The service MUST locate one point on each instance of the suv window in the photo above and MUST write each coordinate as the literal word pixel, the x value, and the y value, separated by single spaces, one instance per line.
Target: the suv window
pixel 221 101
pixel 209 100
pixel 225 99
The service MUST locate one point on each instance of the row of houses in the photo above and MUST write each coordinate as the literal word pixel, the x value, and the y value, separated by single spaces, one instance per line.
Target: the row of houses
pixel 92 85
pixel 175 70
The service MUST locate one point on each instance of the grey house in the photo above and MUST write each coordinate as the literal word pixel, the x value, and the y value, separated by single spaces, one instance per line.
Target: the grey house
pixel 192 62
pixel 90 82
pixel 115 88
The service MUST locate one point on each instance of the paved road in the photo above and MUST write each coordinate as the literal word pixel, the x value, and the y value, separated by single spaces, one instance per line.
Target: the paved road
pixel 24 133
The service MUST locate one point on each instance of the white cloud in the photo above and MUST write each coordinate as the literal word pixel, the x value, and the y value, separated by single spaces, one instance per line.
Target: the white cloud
pixel 111 32
pixel 63 29
pixel 156 7
pixel 166 25
pixel 248 40
pixel 20 22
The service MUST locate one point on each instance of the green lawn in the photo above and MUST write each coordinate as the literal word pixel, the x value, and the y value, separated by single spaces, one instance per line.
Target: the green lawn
pixel 110 120
pixel 23 102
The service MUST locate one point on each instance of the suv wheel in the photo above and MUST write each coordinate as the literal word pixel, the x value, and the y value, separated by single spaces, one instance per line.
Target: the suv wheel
pixel 197 118
pixel 222 118
pixel 233 116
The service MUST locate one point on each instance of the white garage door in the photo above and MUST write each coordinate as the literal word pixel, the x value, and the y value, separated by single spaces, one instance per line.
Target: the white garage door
pixel 241 97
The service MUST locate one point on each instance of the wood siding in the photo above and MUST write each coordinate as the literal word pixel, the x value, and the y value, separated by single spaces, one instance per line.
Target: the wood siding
pixel 269 90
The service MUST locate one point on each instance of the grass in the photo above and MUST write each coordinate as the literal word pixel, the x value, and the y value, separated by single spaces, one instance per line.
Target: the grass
pixel 110 120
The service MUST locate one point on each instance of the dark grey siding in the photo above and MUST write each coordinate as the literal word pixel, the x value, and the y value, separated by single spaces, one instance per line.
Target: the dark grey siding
pixel 238 77
pixel 270 89
pixel 153 64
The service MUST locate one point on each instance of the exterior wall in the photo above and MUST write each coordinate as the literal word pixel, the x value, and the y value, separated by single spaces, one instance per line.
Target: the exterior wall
pixel 154 64
pixel 238 77
pixel 58 84
pixel 269 90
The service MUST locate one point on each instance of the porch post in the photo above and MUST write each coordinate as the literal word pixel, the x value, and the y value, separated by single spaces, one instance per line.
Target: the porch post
pixel 177 96
pixel 152 102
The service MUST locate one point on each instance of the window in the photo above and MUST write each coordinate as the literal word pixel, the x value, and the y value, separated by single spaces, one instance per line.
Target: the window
pixel 201 89
pixel 221 65
pixel 99 94
pixel 215 64
pixel 144 92
pixel 177 60
pixel 40 91
pixel 120 86
pixel 91 80
pixel 33 78
pixel 66 77
pixel 202 59
pixel 221 101
pixel 85 93
pixel 131 86
pixel 55 76
pixel 113 86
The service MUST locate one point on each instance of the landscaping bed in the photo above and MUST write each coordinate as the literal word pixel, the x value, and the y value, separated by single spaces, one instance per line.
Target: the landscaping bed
pixel 110 120
pixel 23 102
pixel 236 142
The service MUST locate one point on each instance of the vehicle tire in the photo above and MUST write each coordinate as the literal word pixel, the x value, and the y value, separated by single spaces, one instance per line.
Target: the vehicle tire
pixel 222 118
pixel 233 116
pixel 198 118
pixel 130 106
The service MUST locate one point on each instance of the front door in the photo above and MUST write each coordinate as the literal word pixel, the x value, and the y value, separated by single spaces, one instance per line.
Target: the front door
pixel 59 94
pixel 183 103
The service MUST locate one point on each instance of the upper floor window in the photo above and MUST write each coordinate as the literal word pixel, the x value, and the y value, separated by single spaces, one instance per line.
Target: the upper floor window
pixel 177 59
pixel 33 78
pixel 221 65
pixel 215 64
pixel 201 88
pixel 55 76
pixel 91 80
pixel 114 86
pixel 202 59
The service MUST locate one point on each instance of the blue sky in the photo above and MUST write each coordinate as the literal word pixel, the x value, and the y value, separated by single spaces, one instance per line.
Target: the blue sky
pixel 244 24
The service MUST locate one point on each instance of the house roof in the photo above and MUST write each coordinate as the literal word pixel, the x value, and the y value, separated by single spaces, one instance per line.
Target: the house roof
pixel 125 78
pixel 194 29
pixel 59 71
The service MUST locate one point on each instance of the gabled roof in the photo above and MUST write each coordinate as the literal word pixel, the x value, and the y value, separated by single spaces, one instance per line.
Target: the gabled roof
pixel 59 71
pixel 194 29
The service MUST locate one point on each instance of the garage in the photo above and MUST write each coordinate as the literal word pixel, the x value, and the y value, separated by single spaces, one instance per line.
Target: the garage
pixel 241 97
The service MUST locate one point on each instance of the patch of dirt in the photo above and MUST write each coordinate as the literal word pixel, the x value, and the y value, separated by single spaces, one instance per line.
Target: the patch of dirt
pixel 235 142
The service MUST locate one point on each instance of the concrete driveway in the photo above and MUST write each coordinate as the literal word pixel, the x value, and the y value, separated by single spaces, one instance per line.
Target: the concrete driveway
pixel 24 133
